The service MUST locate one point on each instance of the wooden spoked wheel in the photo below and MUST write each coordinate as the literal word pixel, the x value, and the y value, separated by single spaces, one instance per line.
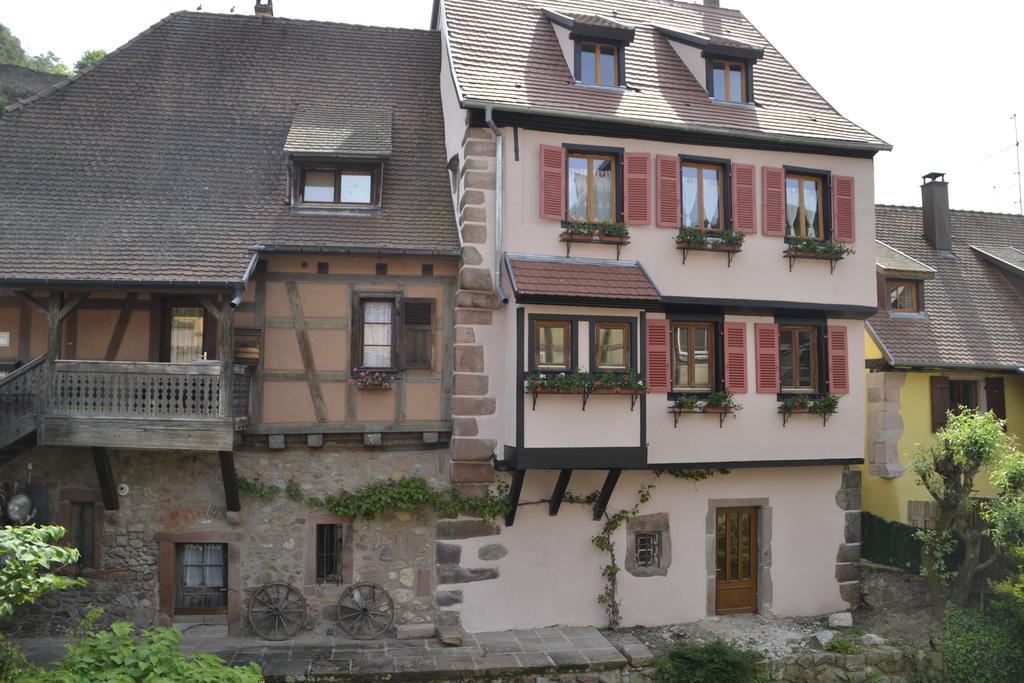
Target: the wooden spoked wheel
pixel 365 611
pixel 277 611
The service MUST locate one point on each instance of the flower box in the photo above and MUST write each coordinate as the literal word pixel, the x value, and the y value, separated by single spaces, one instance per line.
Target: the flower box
pixel 709 246
pixel 570 237
pixel 372 387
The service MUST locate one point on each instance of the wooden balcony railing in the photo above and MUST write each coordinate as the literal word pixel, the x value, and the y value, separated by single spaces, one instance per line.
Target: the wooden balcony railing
pixel 21 400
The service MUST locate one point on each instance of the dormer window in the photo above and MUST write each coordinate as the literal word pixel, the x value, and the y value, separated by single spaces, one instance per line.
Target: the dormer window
pixel 593 46
pixel 599 64
pixel 903 296
pixel 729 81
pixel 342 185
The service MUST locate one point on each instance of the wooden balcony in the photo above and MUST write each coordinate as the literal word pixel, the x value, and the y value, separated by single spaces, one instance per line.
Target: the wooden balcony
pixel 161 406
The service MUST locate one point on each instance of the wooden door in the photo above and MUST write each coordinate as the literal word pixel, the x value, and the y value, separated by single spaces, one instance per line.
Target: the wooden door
pixel 736 560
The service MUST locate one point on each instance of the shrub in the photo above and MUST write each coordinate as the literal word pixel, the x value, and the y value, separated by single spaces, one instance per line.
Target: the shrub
pixel 29 557
pixel 889 543
pixel 845 647
pixel 717 661
pixel 977 648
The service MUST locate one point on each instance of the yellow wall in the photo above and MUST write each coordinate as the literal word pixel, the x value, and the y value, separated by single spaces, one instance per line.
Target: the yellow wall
pixel 888 497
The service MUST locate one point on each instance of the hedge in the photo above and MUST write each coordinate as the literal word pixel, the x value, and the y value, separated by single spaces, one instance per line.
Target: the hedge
pixel 893 544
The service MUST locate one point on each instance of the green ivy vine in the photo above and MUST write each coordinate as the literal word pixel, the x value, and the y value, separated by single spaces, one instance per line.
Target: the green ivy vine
pixel 257 488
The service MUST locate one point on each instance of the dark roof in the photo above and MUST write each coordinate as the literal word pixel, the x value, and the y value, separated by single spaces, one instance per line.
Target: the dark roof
pixel 590 279
pixel 892 261
pixel 165 161
pixel 506 54
pixel 974 317
pixel 19 82
pixel 329 128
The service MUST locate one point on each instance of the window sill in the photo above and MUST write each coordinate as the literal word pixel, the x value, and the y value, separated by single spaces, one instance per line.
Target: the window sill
pixel 742 105
pixel 619 89
pixel 907 314
pixel 339 210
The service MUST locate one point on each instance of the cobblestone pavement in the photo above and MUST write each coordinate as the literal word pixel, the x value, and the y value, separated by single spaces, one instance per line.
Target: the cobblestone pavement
pixel 493 654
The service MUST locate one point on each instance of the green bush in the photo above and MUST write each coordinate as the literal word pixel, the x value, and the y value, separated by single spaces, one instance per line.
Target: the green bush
pixel 717 661
pixel 845 647
pixel 979 648
pixel 889 543
pixel 122 654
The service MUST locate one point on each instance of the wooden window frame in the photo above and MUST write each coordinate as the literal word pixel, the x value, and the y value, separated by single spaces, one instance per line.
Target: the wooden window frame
pixel 339 168
pixel 211 332
pixel 570 343
pixel 714 373
pixel 68 498
pixel 599 46
pixel 591 156
pixel 972 385
pixel 311 586
pixel 179 575
pixel 429 328
pixel 357 332
pixel 629 352
pixel 726 65
pixel 724 172
pixel 816 356
pixel 823 188
pixel 655 550
pixel 915 293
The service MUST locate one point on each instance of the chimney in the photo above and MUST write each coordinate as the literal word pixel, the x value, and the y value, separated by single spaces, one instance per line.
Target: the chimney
pixel 264 8
pixel 935 202
pixel 711 3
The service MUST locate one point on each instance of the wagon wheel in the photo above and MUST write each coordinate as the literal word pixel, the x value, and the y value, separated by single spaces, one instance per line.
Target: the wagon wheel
pixel 365 611
pixel 277 610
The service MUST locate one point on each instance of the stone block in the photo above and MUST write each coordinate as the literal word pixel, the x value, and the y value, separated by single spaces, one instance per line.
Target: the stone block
pixel 465 335
pixel 492 551
pixel 480 148
pixel 850 592
pixel 471 299
pixel 847 571
pixel 471 256
pixel 469 358
pixel 472 450
pixel 471 317
pixel 276 442
pixel 476 133
pixel 874 395
pixel 464 426
pixel 431 437
pixel 471 472
pixel 448 598
pixel 457 529
pixel 473 214
pixel 848 552
pixel 447 553
pixel 424 578
pixel 315 440
pixel 470 385
pixel 824 638
pixel 469 406
pixel 475 279
pixel 852 526
pixel 411 631
pixel 474 233
pixel 479 180
pixel 453 573
pixel 851 479
pixel 471 198
pixel 471 164
pixel 840 620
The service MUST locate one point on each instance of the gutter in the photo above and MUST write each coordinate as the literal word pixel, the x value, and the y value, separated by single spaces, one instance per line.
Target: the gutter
pixel 499 171
pixel 682 127
pixel 360 251
pixel 51 283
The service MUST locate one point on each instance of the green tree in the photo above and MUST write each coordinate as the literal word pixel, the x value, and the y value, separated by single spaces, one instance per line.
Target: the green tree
pixel 969 442
pixel 11 51
pixel 48 62
pixel 28 557
pixel 88 58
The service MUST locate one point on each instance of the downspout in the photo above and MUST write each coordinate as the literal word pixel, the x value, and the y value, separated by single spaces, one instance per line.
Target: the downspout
pixel 499 171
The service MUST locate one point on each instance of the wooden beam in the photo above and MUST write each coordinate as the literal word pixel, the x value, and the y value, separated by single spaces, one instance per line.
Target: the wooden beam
pixel 72 305
pixel 228 475
pixel 211 307
pixel 306 350
pixel 31 301
pixel 123 318
pixel 227 357
pixel 559 493
pixel 606 493
pixel 52 344
pixel 105 475
pixel 24 332
pixel 513 496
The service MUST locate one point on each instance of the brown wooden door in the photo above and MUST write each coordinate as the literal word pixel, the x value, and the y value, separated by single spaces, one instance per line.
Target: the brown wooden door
pixel 736 560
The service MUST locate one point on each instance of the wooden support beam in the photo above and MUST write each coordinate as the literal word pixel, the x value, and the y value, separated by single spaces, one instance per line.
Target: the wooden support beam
pixel 52 344
pixel 105 475
pixel 211 307
pixel 606 493
pixel 559 493
pixel 72 305
pixel 31 301
pixel 306 351
pixel 230 478
pixel 227 357
pixel 513 496
pixel 123 318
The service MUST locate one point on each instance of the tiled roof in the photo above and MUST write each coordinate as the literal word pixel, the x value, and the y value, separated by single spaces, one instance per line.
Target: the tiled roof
pixel 1010 258
pixel 580 278
pixel 506 53
pixel 17 82
pixel 973 314
pixel 895 261
pixel 166 161
pixel 343 130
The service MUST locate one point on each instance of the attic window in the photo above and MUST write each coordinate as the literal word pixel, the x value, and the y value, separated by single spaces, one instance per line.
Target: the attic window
pixel 729 81
pixel 903 296
pixel 598 64
pixel 338 184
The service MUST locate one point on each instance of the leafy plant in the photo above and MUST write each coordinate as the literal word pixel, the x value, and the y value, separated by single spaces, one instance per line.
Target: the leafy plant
pixel 257 488
pixel 583 382
pixel 371 379
pixel 722 399
pixel 687 402
pixel 826 404
pixel 716 661
pixel 792 404
pixel 596 228
pixel 843 646
pixel 608 598
pixel 294 491
pixel 979 648
pixel 28 558
pixel 697 237
pixel 412 494
pixel 826 249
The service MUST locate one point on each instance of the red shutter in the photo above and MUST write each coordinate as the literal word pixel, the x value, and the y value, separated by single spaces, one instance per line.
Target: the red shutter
pixel 667 211
pixel 552 183
pixel 766 337
pixel 843 224
pixel 838 361
pixel 636 188
pixel 735 351
pixel 773 201
pixel 659 378
pixel 743 211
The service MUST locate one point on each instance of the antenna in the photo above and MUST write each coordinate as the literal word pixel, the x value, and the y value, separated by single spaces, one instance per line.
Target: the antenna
pixel 1016 142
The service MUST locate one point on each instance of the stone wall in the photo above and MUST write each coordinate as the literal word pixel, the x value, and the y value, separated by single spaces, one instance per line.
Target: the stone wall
pixel 876 664
pixel 890 588
pixel 885 426
pixel 848 498
pixel 174 494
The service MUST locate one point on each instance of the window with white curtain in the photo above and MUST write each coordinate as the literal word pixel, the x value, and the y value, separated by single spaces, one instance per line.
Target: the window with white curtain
pixel 186 334
pixel 377 345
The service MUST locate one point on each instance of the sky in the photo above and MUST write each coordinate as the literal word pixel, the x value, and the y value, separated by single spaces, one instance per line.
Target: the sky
pixel 934 78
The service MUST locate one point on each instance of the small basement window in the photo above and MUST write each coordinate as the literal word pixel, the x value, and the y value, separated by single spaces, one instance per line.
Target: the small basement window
pixel 729 81
pixel 355 185
pixel 328 553
pixel 903 296
pixel 648 550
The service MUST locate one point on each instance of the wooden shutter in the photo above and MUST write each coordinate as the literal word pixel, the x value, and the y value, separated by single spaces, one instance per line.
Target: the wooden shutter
pixel 838 361
pixel 940 402
pixel 636 190
pixel 843 224
pixel 659 353
pixel 995 398
pixel 766 339
pixel 417 332
pixel 668 203
pixel 743 206
pixel 552 182
pixel 735 351
pixel 773 201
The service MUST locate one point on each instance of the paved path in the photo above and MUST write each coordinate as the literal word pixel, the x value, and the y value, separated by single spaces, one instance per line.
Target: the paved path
pixel 320 658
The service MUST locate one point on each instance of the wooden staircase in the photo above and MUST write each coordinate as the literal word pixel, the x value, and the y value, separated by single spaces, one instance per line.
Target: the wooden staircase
pixel 21 394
